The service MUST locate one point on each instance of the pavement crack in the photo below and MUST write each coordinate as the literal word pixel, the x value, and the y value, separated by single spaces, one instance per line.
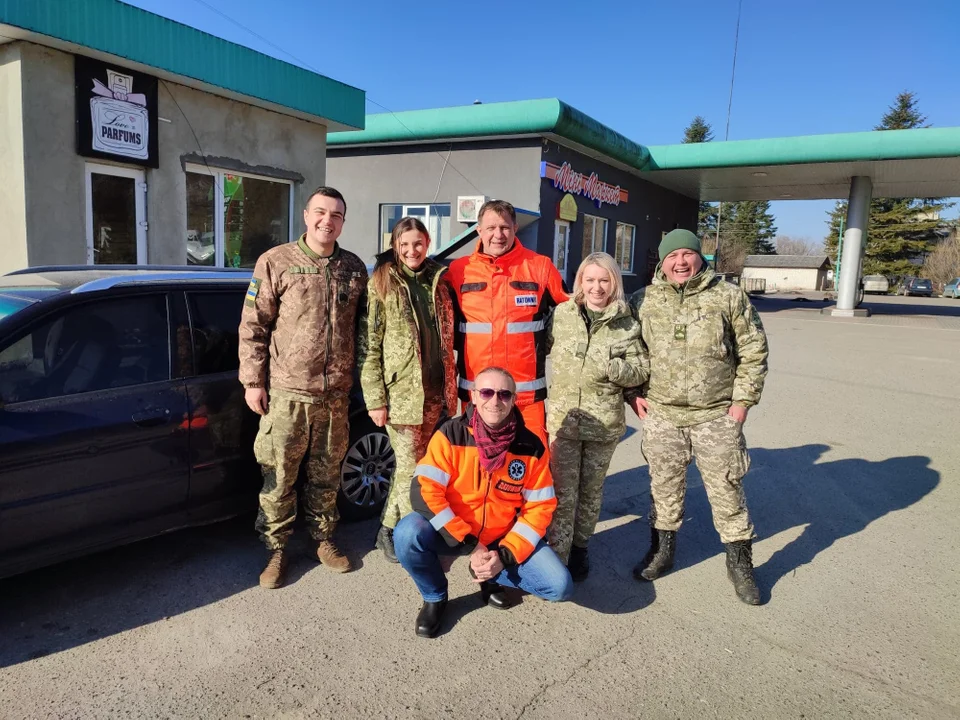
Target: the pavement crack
pixel 582 666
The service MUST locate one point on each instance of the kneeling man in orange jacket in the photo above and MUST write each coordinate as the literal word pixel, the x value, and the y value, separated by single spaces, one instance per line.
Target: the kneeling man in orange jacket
pixel 484 487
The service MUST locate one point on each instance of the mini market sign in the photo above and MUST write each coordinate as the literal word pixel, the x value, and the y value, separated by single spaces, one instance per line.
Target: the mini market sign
pixel 568 180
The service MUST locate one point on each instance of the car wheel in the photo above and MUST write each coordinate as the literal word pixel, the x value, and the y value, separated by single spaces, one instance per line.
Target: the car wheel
pixel 366 471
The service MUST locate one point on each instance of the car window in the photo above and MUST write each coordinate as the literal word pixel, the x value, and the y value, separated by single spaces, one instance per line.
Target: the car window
pixel 215 317
pixel 94 346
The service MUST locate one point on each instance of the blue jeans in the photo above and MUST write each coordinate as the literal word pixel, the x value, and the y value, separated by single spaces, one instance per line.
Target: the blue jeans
pixel 418 547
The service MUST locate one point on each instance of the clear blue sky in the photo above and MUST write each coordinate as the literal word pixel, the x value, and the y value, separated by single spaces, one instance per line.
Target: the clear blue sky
pixel 643 67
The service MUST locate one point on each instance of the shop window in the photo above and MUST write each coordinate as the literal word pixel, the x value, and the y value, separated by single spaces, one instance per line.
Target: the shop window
pixel 626 234
pixel 232 219
pixel 594 234
pixel 436 218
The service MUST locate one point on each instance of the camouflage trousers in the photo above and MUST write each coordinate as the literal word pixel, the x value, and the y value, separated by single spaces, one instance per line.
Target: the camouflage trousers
pixel 721 455
pixel 294 434
pixel 409 444
pixel 579 469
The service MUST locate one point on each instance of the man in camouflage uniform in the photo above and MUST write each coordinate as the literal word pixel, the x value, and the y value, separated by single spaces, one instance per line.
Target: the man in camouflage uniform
pixel 296 363
pixel 708 360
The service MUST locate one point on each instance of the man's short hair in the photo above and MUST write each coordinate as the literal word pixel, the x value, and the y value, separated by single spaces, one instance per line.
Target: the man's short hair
pixel 496 369
pixel 500 207
pixel 327 192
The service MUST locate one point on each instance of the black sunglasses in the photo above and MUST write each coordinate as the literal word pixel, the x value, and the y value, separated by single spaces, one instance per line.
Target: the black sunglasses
pixel 502 395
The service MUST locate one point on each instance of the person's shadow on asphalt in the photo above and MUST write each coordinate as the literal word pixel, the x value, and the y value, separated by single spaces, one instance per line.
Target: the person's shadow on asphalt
pixel 785 488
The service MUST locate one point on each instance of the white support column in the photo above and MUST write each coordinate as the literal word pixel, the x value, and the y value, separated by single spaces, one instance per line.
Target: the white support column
pixel 858 217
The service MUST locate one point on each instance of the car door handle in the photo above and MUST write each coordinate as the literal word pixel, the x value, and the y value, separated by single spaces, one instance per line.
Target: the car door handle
pixel 151 418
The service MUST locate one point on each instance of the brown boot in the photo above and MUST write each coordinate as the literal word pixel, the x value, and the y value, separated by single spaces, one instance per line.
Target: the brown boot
pixel 275 573
pixel 329 555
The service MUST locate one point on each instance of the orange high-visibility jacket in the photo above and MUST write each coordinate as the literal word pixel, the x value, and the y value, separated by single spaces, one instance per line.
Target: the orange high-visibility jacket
pixel 502 305
pixel 514 505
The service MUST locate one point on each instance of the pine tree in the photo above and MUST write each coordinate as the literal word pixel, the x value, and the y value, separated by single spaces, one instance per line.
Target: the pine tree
pixel 901 231
pixel 699 131
pixel 748 224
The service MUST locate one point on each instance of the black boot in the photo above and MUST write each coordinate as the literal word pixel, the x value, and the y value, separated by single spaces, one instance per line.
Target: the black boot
pixel 578 564
pixel 494 596
pixel 740 571
pixel 659 558
pixel 385 543
pixel 429 618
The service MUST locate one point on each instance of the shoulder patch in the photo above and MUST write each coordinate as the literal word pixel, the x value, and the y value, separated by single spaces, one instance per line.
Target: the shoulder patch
pixel 252 292
pixel 517 469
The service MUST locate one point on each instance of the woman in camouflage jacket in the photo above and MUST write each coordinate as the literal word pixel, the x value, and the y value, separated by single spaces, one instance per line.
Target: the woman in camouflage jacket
pixel 405 354
pixel 594 341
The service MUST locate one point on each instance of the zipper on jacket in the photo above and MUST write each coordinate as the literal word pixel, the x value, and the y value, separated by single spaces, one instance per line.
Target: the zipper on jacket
pixel 486 494
pixel 326 355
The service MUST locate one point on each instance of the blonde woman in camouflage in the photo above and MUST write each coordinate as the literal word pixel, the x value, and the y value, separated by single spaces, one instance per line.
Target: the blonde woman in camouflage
pixel 407 368
pixel 594 345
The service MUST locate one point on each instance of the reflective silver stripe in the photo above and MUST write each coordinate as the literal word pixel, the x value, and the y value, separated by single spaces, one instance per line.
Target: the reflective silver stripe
pixel 433 473
pixel 524 531
pixel 524 327
pixel 538 495
pixel 538 384
pixel 442 518
pixel 476 328
pixel 467 384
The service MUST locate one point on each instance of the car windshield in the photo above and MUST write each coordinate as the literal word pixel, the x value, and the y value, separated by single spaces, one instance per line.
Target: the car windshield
pixel 10 305
pixel 922 283
pixel 14 299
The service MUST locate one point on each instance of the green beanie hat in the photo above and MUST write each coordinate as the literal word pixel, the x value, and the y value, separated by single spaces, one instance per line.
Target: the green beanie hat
pixel 677 239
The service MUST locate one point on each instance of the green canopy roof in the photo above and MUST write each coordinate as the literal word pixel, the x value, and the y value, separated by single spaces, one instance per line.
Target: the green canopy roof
pixel 907 163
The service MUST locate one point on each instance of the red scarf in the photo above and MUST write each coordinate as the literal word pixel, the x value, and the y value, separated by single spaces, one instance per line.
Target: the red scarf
pixel 493 443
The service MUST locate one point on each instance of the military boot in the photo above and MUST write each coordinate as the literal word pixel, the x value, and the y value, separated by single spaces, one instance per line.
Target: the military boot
pixel 331 557
pixel 740 571
pixel 578 564
pixel 385 543
pixel 659 558
pixel 275 573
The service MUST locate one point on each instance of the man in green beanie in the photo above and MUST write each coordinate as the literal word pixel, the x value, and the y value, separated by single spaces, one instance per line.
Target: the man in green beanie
pixel 708 359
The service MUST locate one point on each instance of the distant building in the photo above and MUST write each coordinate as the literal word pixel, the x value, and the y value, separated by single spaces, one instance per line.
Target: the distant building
pixel 790 272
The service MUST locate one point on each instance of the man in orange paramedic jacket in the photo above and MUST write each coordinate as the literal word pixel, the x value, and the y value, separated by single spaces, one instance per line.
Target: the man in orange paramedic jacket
pixel 504 294
pixel 483 487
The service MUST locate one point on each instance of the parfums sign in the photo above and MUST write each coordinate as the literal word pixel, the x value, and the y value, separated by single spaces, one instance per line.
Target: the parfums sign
pixel 116 113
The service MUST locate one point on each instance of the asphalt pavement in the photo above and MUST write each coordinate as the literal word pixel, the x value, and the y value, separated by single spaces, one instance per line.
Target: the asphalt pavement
pixel 853 489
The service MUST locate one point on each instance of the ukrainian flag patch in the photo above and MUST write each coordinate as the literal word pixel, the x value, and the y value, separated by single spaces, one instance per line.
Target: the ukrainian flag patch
pixel 251 298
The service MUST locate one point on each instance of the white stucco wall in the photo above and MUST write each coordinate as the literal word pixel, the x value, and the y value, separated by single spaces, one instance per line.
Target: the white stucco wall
pixel 13 220
pixel 786 278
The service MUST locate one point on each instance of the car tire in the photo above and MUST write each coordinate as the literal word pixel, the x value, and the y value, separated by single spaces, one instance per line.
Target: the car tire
pixel 366 471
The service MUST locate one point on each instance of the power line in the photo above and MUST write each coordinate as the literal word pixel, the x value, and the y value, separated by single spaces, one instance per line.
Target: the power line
pixel 726 135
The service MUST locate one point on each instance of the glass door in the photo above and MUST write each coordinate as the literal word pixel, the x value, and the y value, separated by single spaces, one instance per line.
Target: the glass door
pixel 116 216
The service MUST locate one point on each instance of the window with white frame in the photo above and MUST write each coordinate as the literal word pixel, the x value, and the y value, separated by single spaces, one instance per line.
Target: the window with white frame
pixel 233 218
pixel 626 234
pixel 594 234
pixel 435 216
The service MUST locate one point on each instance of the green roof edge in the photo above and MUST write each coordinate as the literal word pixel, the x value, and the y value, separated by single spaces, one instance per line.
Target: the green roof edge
pixel 523 117
pixel 113 27
pixel 552 116
pixel 872 145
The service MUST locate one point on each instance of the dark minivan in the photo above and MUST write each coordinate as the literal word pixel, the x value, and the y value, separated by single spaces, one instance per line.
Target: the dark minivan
pixel 121 416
